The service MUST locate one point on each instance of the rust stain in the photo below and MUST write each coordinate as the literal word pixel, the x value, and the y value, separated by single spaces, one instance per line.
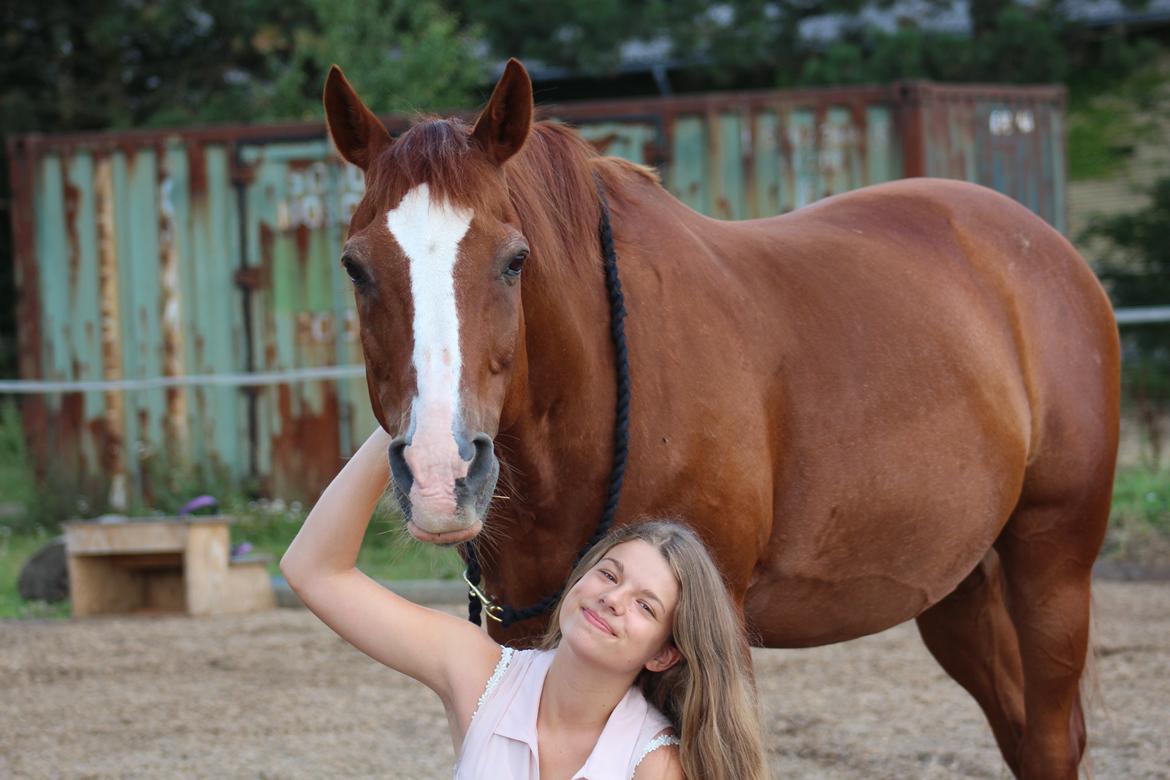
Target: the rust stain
pixel 113 455
pixel 268 330
pixel 267 243
pixel 72 206
pixel 748 119
pixel 170 313
pixel 305 454
pixel 250 278
pixel 603 143
pixel 34 411
pixel 145 453
pixel 714 168
pixel 66 438
pixel 196 169
pixel 860 119
pixel 303 236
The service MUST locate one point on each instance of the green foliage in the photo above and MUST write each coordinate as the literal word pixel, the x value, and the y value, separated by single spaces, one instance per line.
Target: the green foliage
pixel 1116 101
pixel 388 552
pixel 403 55
pixel 1021 45
pixel 127 63
pixel 1135 261
pixel 582 35
pixel 31 503
pixel 16 483
pixel 739 38
pixel 1134 265
pixel 1139 522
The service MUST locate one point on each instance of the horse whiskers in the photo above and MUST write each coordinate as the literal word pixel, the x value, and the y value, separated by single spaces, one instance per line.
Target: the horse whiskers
pixel 490 538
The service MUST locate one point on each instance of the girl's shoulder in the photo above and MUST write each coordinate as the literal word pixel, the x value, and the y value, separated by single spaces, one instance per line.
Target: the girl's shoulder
pixel 659 759
pixel 509 673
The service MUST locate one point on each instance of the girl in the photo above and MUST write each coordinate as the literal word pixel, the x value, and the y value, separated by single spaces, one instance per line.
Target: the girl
pixel 643 673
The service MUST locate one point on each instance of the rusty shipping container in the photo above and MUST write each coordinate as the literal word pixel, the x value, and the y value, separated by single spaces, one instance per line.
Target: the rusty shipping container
pixel 212 251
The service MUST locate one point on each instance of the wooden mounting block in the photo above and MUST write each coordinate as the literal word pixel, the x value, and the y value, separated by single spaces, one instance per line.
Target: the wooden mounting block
pixel 164 565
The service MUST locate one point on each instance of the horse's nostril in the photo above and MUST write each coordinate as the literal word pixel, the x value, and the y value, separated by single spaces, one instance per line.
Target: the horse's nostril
pixel 402 478
pixel 481 464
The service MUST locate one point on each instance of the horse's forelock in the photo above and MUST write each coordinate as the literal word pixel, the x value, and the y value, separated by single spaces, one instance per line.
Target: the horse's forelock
pixel 440 154
pixel 549 185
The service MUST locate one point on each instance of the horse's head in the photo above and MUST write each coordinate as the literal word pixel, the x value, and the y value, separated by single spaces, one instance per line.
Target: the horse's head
pixel 435 253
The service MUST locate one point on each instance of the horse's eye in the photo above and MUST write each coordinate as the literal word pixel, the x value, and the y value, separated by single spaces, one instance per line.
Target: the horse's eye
pixel 515 264
pixel 353 268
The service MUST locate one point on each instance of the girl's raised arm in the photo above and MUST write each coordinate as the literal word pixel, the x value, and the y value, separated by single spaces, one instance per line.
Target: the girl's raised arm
pixel 448 655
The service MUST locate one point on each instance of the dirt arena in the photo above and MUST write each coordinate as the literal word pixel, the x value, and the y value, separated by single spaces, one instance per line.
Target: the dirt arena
pixel 277 695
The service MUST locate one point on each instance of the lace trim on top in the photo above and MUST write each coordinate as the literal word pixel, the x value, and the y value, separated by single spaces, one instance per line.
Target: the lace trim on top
pixel 493 681
pixel 662 740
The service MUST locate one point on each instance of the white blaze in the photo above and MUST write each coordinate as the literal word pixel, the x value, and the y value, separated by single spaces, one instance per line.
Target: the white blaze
pixel 429 233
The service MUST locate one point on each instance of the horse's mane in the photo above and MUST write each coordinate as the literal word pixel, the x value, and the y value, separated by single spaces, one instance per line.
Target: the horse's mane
pixel 549 182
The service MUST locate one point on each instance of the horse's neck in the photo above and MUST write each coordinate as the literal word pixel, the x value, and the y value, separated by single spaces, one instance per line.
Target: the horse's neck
pixel 557 427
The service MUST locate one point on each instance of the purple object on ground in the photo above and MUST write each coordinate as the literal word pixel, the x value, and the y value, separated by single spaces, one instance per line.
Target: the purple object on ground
pixel 197 503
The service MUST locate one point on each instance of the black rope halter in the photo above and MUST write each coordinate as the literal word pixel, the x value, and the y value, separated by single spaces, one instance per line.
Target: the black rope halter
pixel 505 614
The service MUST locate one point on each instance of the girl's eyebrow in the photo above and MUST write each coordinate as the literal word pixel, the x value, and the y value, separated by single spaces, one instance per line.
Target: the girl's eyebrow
pixel 622 570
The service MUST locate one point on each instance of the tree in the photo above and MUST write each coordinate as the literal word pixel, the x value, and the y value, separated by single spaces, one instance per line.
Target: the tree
pixel 1135 267
pixel 406 55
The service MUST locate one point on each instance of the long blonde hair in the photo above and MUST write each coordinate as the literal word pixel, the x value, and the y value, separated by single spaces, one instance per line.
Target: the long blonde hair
pixel 708 696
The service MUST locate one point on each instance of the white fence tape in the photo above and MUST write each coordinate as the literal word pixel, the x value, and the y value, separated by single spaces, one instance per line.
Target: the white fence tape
pixel 1130 316
pixel 1143 314
pixel 203 380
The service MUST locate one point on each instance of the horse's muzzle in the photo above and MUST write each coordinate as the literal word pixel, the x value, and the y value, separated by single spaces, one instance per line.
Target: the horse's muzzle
pixel 445 511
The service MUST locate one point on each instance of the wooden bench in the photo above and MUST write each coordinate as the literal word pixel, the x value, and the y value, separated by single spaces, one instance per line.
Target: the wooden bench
pixel 163 565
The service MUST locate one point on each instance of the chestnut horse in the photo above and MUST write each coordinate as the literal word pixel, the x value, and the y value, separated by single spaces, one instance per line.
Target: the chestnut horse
pixel 897 403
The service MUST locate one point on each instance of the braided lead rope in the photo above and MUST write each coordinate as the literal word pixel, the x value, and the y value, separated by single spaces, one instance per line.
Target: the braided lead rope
pixel 506 614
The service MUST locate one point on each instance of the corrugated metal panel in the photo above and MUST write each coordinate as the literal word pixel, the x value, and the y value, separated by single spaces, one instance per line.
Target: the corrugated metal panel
pixel 299 198
pixel 1009 140
pixel 754 154
pixel 133 254
pixel 213 251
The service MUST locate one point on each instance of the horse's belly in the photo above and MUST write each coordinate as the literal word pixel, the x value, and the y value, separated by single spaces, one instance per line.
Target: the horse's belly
pixel 880 515
pixel 801 611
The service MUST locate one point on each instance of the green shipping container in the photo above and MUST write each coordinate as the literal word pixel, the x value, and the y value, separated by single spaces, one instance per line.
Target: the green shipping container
pixel 184 258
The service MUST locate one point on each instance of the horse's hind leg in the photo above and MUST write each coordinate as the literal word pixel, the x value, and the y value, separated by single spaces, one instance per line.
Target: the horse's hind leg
pixel 1047 553
pixel 971 635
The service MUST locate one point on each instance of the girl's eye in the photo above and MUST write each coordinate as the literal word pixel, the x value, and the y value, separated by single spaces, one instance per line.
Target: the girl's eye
pixel 607 575
pixel 646 607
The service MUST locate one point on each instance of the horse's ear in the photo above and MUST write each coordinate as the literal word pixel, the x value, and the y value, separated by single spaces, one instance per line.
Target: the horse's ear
pixel 503 126
pixel 358 135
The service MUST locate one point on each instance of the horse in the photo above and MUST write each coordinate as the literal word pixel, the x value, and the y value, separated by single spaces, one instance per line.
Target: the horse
pixel 896 403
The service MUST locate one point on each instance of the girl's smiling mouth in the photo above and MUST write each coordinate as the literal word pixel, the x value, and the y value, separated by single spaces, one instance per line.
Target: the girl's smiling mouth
pixel 597 622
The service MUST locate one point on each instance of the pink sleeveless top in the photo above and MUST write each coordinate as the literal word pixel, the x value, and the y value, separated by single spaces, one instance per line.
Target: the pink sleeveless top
pixel 501 741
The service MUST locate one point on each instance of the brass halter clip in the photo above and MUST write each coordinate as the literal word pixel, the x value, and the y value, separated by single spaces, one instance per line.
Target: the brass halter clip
pixel 490 608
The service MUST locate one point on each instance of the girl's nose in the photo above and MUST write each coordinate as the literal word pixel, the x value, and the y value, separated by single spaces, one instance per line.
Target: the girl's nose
pixel 612 601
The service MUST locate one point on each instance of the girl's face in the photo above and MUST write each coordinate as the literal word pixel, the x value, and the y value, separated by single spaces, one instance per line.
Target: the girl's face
pixel 620 614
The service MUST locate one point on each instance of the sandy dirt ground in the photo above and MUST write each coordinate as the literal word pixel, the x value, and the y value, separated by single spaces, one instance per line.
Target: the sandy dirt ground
pixel 277 695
